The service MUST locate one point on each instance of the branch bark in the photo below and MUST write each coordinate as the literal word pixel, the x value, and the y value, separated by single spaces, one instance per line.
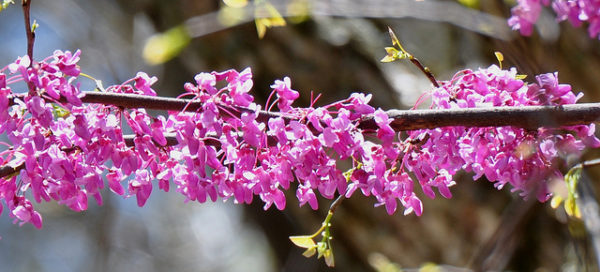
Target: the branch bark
pixel 528 117
pixel 26 4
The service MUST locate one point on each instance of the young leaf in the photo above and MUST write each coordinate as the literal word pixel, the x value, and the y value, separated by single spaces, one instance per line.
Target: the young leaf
pixel 304 241
pixel 388 58
pixel 59 111
pixel 5 4
pixel 321 248
pixel 310 252
pixel 328 254
pixel 499 57
pixel 395 40
pixel 556 201
pixel 263 22
pixel 572 178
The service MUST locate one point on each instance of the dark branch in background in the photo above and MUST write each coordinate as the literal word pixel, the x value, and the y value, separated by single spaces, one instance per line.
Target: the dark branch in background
pixel 437 11
pixel 30 34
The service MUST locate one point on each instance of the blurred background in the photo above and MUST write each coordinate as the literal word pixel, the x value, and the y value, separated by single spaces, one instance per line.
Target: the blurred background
pixel 331 47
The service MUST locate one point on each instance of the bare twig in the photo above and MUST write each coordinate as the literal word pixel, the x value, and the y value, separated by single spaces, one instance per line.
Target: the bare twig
pixel 425 70
pixel 412 59
pixel 336 203
pixel 30 34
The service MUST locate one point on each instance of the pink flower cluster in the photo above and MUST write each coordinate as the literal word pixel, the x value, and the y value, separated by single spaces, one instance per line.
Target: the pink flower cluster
pixel 527 12
pixel 527 160
pixel 67 151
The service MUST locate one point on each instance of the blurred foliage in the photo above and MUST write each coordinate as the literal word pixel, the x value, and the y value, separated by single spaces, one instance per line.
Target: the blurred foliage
pixel 5 4
pixel 162 47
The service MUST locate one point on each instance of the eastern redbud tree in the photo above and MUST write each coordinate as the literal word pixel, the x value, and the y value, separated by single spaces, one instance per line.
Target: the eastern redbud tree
pixel 66 145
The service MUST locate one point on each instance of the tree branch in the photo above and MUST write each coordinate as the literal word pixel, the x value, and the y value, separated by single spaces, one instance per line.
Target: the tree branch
pixel 528 117
pixel 26 4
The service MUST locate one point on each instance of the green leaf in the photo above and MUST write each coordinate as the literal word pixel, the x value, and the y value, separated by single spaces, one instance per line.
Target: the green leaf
pixel 34 26
pixel 310 252
pixel 304 241
pixel 395 40
pixel 556 201
pixel 388 59
pixel 5 4
pixel 572 178
pixel 521 77
pixel 321 248
pixel 391 51
pixel 263 22
pixel 59 111
pixel 329 258
pixel 163 47
pixel 571 208
pixel 499 56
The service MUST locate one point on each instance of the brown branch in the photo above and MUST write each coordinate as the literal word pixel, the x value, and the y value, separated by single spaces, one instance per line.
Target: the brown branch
pixel 163 103
pixel 528 117
pixel 26 4
pixel 425 70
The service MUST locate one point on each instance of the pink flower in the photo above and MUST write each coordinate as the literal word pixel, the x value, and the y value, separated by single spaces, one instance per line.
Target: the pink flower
pixel 114 178
pixel 143 83
pixel 525 14
pixel 285 94
pixel 206 82
pixel 141 186
pixel 67 62
pixel 306 195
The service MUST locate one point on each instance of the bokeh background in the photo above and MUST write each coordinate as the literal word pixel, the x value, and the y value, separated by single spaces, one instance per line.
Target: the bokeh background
pixel 334 49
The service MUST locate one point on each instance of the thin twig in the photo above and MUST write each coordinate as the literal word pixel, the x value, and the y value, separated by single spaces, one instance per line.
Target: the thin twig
pixel 425 70
pixel 589 163
pixel 405 54
pixel 26 4
pixel 336 203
